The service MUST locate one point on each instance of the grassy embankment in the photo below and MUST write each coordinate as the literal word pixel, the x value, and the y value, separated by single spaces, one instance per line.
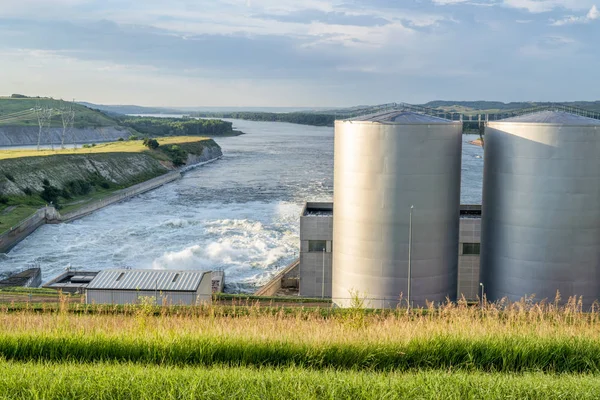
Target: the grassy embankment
pixel 87 187
pixel 455 351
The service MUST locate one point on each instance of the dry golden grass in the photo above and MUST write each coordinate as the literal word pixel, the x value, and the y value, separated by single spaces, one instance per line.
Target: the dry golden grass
pixel 127 146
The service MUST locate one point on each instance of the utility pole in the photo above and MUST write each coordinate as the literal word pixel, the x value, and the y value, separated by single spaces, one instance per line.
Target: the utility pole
pixel 409 253
pixel 323 277
pixel 482 287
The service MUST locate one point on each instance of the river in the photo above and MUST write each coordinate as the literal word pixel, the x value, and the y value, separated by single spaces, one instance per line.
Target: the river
pixel 239 214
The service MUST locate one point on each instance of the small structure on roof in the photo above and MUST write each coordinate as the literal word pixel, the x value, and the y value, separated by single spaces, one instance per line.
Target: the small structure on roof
pixel 71 281
pixel 162 287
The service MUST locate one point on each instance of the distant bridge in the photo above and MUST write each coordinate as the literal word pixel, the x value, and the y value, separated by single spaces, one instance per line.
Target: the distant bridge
pixel 476 117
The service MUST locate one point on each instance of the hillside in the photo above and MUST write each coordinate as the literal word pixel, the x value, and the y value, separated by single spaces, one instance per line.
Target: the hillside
pixel 30 179
pixel 19 124
pixel 131 109
pixel 21 112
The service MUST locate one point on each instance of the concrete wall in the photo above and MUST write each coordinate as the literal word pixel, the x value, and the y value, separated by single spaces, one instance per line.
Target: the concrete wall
pixel 271 288
pixel 19 232
pixel 50 215
pixel 468 265
pixel 311 263
pixel 118 196
pixel 204 292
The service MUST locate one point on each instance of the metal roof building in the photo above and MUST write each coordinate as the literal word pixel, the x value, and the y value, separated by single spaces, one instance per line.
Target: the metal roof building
pixel 163 287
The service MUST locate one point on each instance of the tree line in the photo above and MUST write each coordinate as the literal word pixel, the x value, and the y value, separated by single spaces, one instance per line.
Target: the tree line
pixel 302 118
pixel 176 126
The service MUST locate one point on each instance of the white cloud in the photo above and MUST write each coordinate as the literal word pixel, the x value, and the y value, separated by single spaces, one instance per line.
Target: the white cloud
pixel 540 6
pixel 592 15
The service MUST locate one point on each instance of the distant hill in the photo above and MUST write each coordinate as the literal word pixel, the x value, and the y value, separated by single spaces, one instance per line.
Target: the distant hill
pixel 20 111
pixel 131 109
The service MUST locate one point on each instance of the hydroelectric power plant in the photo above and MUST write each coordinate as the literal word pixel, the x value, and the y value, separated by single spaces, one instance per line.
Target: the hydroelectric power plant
pixel 541 213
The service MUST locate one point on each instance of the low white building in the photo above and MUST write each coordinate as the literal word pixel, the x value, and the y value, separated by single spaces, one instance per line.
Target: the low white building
pixel 162 287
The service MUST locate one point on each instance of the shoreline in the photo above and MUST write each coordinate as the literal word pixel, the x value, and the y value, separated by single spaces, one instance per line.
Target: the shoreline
pixel 49 214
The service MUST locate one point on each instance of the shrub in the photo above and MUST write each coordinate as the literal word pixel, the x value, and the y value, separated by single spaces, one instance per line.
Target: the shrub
pixel 120 139
pixel 28 191
pixel 133 137
pixel 100 181
pixel 50 194
pixel 3 199
pixel 79 187
pixel 151 143
pixel 10 177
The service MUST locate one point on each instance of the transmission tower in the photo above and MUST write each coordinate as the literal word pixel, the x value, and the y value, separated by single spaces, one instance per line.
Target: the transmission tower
pixel 67 114
pixel 44 116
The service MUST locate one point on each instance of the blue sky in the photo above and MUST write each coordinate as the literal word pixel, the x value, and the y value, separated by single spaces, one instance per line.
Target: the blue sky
pixel 300 52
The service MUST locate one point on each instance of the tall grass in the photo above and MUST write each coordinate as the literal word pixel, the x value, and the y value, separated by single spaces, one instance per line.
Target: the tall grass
pixel 110 381
pixel 517 337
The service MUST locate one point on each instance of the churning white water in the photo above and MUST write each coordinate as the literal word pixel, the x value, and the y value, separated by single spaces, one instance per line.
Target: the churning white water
pixel 240 213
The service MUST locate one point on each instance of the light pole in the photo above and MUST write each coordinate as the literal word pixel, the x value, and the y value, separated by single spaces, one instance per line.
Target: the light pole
pixel 482 287
pixel 323 277
pixel 409 253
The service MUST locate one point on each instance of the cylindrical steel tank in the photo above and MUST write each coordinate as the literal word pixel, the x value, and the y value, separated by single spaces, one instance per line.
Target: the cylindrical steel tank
pixel 383 165
pixel 541 208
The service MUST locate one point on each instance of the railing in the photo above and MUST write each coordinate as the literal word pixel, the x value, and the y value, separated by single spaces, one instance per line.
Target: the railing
pixel 477 117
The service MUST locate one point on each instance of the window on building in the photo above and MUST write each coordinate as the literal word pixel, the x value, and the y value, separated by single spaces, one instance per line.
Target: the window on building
pixel 317 245
pixel 469 249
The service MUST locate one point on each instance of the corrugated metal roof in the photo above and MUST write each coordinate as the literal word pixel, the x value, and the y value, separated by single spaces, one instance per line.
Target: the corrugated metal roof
pixel 403 117
pixel 147 279
pixel 552 117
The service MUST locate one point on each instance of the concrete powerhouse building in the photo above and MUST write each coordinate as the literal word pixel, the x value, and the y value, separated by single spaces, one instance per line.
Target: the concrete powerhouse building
pixel 383 165
pixel 541 207
pixel 316 234
pixel 163 287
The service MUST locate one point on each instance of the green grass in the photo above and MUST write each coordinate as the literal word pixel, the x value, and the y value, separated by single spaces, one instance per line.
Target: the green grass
pixel 15 216
pixel 20 112
pixel 130 381
pixel 489 354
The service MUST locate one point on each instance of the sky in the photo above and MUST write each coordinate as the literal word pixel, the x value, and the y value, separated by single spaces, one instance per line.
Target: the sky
pixel 300 53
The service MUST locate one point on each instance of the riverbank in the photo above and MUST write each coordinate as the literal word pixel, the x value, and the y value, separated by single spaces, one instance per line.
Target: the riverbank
pixel 65 185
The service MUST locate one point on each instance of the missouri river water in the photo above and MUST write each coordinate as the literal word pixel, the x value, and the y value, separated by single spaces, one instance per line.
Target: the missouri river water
pixel 240 213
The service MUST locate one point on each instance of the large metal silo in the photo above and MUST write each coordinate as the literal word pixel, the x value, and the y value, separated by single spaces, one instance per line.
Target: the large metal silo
pixel 383 165
pixel 541 207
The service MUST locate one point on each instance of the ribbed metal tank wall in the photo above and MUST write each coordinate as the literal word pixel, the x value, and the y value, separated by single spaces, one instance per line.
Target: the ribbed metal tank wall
pixel 382 165
pixel 541 208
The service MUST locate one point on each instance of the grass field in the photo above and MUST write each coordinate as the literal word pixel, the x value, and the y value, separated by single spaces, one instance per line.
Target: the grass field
pixel 127 146
pixel 451 352
pixel 13 215
pixel 134 381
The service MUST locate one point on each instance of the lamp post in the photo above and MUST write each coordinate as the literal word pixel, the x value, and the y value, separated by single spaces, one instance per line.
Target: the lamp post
pixel 409 253
pixel 323 277
pixel 482 287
